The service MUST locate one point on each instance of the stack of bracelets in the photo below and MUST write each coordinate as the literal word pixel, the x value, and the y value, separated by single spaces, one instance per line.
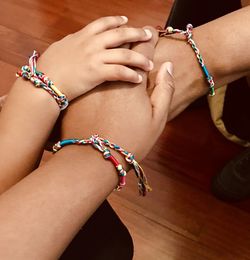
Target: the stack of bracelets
pixel 189 36
pixel 102 145
pixel 41 81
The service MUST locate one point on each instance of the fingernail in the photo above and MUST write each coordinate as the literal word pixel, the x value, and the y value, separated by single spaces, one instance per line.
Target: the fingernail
pixel 170 68
pixel 148 33
pixel 125 19
pixel 139 78
pixel 151 65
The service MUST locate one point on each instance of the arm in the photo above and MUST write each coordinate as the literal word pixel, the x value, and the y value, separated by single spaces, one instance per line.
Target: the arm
pixel 24 131
pixel 48 207
pixel 41 214
pixel 224 45
pixel 29 113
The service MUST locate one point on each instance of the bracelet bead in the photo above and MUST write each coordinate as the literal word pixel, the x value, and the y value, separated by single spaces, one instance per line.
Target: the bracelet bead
pixel 40 80
pixel 189 36
pixel 102 145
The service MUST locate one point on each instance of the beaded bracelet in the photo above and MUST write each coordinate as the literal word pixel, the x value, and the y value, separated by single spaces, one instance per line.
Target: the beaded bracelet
pixel 40 80
pixel 101 145
pixel 188 33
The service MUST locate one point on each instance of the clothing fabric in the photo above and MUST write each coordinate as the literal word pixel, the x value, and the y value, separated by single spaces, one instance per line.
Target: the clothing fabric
pixel 103 237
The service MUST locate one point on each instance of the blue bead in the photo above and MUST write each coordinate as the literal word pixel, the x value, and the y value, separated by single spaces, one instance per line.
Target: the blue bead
pixel 67 142
pixel 204 68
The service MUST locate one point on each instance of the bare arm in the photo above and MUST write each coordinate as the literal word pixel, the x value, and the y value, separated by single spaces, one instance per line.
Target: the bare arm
pixel 40 215
pixel 25 123
pixel 29 113
pixel 224 45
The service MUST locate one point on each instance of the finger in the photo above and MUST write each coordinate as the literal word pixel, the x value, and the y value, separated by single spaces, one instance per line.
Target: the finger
pixel 103 24
pixel 128 44
pixel 120 73
pixel 147 48
pixel 162 94
pixel 127 57
pixel 117 37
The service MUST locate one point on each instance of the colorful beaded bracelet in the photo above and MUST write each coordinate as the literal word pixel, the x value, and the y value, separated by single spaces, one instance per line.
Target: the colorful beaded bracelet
pixel 40 80
pixel 101 145
pixel 189 36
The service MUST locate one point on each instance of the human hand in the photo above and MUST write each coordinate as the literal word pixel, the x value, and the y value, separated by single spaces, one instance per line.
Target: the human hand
pixel 87 58
pixel 124 114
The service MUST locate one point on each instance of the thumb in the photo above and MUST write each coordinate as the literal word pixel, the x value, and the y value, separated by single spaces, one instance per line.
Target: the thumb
pixel 162 94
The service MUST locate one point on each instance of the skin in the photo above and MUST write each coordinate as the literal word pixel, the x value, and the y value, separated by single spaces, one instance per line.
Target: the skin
pixel 66 194
pixel 60 190
pixel 60 65
pixel 232 63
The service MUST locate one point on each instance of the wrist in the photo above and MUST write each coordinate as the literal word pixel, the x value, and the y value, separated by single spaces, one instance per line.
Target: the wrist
pixel 90 160
pixel 190 82
pixel 109 152
pixel 187 71
pixel 56 78
pixel 36 97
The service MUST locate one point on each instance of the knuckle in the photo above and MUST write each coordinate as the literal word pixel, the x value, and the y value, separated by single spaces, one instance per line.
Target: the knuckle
pixel 127 55
pixel 120 32
pixel 144 60
pixel 120 72
pixel 104 21
pixel 88 51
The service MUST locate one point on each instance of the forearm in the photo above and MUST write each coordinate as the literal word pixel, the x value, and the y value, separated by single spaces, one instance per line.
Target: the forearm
pixel 26 120
pixel 224 46
pixel 223 43
pixel 57 199
pixel 48 207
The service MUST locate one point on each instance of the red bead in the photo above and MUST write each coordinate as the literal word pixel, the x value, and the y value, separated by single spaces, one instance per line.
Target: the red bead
pixel 122 181
pixel 113 160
